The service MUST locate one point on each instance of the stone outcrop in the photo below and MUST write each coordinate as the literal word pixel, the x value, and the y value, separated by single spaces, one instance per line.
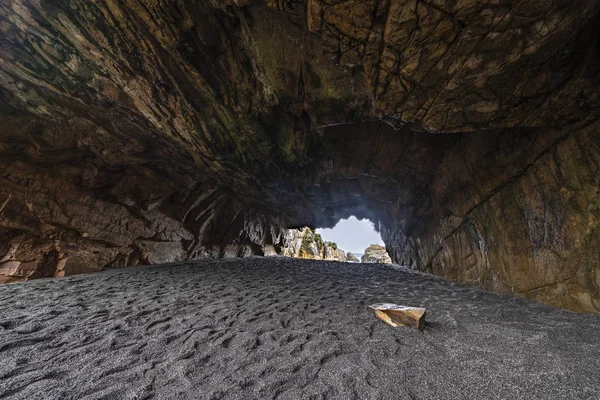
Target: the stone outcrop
pixel 152 131
pixel 351 257
pixel 331 252
pixel 376 254
pixel 306 243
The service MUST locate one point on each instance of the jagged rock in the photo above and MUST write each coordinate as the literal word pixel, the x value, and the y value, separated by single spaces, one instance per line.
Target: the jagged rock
pixel 376 254
pixel 294 240
pixel 395 315
pixel 351 257
pixel 332 253
pixel 305 243
pixel 146 131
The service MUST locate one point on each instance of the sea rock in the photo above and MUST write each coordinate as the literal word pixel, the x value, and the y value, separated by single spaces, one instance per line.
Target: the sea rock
pixel 332 253
pixel 306 243
pixel 376 254
pixel 351 257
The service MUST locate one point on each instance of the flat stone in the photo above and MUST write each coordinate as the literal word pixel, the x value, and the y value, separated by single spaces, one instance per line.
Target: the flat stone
pixel 396 315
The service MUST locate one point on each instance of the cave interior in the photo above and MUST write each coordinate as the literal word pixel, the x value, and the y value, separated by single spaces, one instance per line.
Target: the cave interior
pixel 148 132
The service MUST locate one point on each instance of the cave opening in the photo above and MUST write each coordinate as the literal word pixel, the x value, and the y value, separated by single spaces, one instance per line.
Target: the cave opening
pixel 347 238
pixel 353 235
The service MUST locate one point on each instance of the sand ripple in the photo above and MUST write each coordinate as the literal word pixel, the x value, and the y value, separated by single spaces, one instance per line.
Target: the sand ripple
pixel 284 329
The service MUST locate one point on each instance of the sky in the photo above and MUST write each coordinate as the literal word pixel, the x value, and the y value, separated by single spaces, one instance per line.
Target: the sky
pixel 352 235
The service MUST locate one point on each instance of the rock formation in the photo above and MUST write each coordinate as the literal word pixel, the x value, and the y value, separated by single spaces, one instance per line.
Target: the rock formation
pixel 152 131
pixel 331 252
pixel 305 243
pixel 376 254
pixel 351 257
pixel 396 315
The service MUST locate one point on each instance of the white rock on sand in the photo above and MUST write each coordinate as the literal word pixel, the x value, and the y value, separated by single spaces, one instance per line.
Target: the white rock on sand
pixel 287 329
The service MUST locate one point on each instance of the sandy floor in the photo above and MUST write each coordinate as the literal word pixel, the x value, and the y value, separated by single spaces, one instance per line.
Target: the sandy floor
pixel 285 329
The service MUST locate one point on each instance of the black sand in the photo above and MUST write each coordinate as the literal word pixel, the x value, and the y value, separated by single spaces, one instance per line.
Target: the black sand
pixel 285 329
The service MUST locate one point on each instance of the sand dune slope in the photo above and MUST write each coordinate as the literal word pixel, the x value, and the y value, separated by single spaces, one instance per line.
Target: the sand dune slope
pixel 280 328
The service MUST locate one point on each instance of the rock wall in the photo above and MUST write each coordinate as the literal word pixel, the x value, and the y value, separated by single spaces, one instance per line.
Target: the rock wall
pixel 305 243
pixel 533 231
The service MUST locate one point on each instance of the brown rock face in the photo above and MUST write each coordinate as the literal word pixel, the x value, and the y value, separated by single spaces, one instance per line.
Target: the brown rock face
pixel 154 131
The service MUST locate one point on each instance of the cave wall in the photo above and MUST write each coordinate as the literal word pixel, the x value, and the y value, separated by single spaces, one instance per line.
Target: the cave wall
pixel 532 231
pixel 511 210
pixel 145 131
pixel 80 198
pixel 118 144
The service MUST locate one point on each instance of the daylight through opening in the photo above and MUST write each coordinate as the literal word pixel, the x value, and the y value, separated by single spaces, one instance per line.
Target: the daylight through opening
pixel 350 240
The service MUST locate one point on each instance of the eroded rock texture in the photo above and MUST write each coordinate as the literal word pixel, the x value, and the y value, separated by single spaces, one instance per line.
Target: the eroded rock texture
pixel 146 131
pixel 376 254
pixel 306 243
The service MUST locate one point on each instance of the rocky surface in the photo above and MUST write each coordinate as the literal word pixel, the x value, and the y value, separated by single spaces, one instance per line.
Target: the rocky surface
pixel 351 257
pixel 306 243
pixel 540 243
pixel 276 327
pixel 332 253
pixel 146 131
pixel 397 315
pixel 376 254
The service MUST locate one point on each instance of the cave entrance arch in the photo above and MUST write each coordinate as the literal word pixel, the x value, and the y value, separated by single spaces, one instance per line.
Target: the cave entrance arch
pixel 352 235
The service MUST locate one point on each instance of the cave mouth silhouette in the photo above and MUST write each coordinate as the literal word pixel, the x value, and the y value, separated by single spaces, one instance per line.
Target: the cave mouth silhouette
pixel 352 234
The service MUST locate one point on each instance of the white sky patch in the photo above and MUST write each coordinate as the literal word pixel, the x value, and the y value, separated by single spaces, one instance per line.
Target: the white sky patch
pixel 352 235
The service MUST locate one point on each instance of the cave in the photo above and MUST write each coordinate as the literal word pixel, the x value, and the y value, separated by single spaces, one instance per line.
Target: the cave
pixel 353 236
pixel 149 132
pixel 156 154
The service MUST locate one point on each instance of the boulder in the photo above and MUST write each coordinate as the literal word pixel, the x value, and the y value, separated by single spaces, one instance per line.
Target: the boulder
pixel 351 257
pixel 376 254
pixel 395 315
